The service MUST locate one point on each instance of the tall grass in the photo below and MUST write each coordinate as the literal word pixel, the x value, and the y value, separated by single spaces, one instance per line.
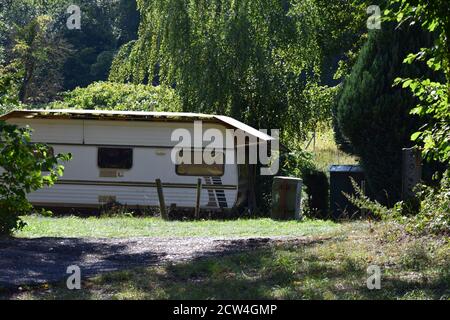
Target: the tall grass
pixel 325 150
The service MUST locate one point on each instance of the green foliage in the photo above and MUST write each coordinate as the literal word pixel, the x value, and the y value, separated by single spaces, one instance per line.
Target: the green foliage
pixel 251 60
pixel 119 96
pixel 433 106
pixel 373 115
pixel 360 200
pixel 32 74
pixel 42 54
pixel 433 16
pixel 260 62
pixel 319 100
pixel 301 164
pixel 26 167
pixel 9 85
pixel 105 26
pixel 434 214
pixel 293 164
pixel 428 213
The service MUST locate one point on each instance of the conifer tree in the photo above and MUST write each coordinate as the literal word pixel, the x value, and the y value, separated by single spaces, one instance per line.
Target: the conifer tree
pixel 373 114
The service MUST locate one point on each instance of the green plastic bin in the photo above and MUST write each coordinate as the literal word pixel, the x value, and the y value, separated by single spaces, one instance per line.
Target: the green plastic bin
pixel 286 198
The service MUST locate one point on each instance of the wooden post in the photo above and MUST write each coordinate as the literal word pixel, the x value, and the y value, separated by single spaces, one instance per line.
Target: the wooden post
pixel 252 205
pixel 411 171
pixel 314 143
pixel 197 200
pixel 162 204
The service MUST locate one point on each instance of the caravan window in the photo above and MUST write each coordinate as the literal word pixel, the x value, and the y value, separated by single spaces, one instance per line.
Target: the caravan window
pixel 115 158
pixel 216 169
pixel 200 169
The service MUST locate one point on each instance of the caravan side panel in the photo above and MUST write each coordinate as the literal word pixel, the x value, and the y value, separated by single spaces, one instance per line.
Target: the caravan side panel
pixel 53 131
pixel 84 184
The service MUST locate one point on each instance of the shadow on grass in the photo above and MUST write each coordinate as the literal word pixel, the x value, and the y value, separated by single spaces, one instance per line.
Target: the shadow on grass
pixel 300 273
pixel 256 269
pixel 42 260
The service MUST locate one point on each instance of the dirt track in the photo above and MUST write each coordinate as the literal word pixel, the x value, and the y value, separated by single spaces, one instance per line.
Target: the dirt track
pixel 41 260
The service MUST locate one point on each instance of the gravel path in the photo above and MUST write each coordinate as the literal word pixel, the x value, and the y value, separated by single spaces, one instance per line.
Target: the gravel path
pixel 40 260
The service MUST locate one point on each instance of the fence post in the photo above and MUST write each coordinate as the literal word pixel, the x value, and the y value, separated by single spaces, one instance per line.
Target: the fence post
pixel 411 171
pixel 197 201
pixel 162 204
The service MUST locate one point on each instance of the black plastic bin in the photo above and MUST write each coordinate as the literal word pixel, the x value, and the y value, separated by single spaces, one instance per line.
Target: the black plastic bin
pixel 340 182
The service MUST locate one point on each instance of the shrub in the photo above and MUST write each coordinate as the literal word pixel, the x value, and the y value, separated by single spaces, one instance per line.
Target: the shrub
pixel 294 163
pixel 428 213
pixel 120 96
pixel 434 214
pixel 23 164
pixel 363 202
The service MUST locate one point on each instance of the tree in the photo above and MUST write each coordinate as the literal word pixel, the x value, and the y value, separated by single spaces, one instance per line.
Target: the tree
pixel 248 59
pixel 260 62
pixel 434 104
pixel 10 77
pixel 373 115
pixel 26 167
pixel 40 54
pixel 434 17
pixel 105 25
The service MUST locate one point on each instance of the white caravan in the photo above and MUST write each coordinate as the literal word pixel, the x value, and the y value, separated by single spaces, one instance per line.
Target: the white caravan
pixel 117 157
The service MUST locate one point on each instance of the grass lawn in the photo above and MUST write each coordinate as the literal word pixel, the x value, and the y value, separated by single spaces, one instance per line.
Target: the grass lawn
pixel 154 227
pixel 412 268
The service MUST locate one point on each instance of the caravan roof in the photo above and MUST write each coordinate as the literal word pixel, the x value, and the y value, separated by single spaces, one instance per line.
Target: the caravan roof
pixel 133 116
